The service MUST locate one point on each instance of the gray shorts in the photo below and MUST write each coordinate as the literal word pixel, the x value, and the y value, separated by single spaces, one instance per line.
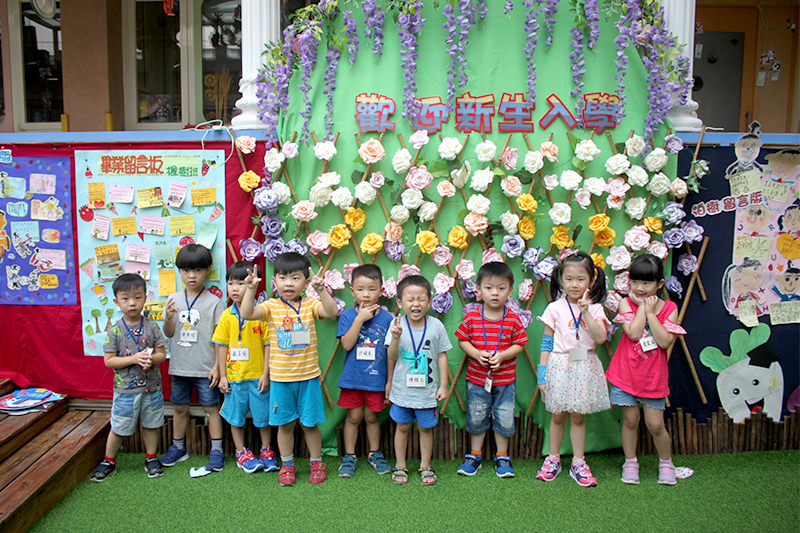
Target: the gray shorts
pixel 144 408
pixel 618 396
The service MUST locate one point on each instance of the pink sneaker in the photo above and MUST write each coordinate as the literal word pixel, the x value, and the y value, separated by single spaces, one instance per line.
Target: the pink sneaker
pixel 579 471
pixel 666 472
pixel 550 469
pixel 630 472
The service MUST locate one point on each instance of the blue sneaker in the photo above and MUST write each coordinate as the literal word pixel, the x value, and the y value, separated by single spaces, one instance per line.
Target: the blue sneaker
pixel 173 455
pixel 348 466
pixel 268 460
pixel 379 463
pixel 216 460
pixel 246 461
pixel 502 466
pixel 472 463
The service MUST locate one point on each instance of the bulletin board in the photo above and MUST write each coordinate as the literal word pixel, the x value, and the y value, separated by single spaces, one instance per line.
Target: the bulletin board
pixel 136 209
pixel 37 264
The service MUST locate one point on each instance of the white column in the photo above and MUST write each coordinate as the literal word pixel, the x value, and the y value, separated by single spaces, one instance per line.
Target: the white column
pixel 260 25
pixel 680 20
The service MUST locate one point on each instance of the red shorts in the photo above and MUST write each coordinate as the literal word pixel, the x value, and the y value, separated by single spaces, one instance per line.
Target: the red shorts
pixel 353 398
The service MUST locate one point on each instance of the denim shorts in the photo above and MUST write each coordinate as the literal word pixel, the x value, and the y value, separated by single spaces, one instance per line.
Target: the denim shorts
pixel 294 400
pixel 146 408
pixel 243 398
pixel 618 396
pixel 497 405
pixel 426 418
pixel 182 391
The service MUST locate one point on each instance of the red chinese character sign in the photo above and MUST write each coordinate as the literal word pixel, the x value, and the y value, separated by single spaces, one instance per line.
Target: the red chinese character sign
pixel 373 112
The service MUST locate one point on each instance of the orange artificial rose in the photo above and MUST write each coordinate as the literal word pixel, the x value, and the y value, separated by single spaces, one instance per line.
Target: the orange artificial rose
pixel 372 244
pixel 355 218
pixel 249 180
pixel 527 228
pixel 598 222
pixel 599 260
pixel 561 237
pixel 527 203
pixel 427 241
pixel 458 237
pixel 339 236
pixel 605 237
pixel 653 224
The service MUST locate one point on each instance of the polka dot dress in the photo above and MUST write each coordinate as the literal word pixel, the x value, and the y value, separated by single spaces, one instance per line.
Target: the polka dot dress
pixel 576 386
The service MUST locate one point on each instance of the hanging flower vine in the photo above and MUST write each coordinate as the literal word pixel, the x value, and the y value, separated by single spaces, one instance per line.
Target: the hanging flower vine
pixel 532 39
pixel 373 18
pixel 409 24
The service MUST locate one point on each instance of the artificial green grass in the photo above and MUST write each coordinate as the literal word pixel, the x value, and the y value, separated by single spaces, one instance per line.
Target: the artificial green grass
pixel 748 492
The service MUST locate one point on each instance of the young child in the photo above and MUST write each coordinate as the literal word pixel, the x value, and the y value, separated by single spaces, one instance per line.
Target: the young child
pixel 638 373
pixel 362 331
pixel 570 376
pixel 134 348
pixel 193 314
pixel 418 345
pixel 492 336
pixel 243 351
pixel 295 392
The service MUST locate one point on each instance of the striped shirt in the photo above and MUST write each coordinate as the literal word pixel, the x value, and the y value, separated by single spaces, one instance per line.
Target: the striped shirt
pixel 471 330
pixel 292 362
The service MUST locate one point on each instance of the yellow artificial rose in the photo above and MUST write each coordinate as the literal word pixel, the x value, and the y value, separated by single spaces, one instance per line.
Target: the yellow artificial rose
pixel 527 203
pixel 458 237
pixel 355 218
pixel 604 238
pixel 598 222
pixel 656 225
pixel 599 260
pixel 561 237
pixel 339 236
pixel 372 244
pixel 527 228
pixel 427 241
pixel 249 180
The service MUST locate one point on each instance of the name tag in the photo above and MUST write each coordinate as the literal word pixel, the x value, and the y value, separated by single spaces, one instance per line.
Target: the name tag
pixel 487 385
pixel 300 337
pixel 578 354
pixel 647 342
pixel 415 380
pixel 365 353
pixel 188 335
pixel 240 354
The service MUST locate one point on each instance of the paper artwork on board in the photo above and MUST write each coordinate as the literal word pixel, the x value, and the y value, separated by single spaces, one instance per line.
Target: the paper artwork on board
pixel 47 210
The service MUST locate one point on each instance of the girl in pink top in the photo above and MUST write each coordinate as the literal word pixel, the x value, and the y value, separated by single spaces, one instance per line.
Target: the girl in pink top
pixel 638 372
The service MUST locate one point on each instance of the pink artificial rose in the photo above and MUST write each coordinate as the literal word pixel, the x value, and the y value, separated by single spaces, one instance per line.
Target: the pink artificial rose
pixel 347 272
pixel 318 243
pixel 394 231
pixel 658 249
pixel 622 283
pixel 442 256
pixel 389 289
pixel 418 178
pixel 612 302
pixel 510 158
pixel 491 256
pixel 371 151
pixel 290 150
pixel 617 187
pixel 442 283
pixel 549 150
pixel 637 238
pixel 550 182
pixel 465 269
pixel 303 211
pixel 246 144
pixel 525 289
pixel 407 270
pixel 419 139
pixel 564 253
pixel 377 179
pixel 615 202
pixel 446 189
pixel 475 223
pixel 334 280
pixel 583 197
pixel 311 292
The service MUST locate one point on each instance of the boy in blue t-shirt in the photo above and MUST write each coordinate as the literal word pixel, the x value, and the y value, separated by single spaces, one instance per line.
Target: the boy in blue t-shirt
pixel 362 331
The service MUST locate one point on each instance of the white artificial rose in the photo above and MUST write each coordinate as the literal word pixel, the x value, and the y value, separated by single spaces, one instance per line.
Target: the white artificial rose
pixel 659 185
pixel 635 207
pixel 401 161
pixel 478 203
pixel 365 193
pixel 412 198
pixel 510 221
pixel 637 176
pixel 560 213
pixel 419 139
pixel 656 160
pixel 617 164
pixel 450 148
pixel 342 198
pixel 283 192
pixel 679 188
pixel 273 159
pixel 399 214
pixel 511 186
pixel 324 151
pixel 550 182
pixel 534 161
pixel 635 146
pixel 570 180
pixel 330 179
pixel 596 186
pixel 461 175
pixel 320 195
pixel 481 179
pixel 427 211
pixel 586 150
pixel 619 258
pixel 486 151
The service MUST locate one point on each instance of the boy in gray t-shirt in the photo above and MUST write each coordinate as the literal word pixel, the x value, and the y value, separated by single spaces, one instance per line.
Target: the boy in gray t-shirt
pixel 417 374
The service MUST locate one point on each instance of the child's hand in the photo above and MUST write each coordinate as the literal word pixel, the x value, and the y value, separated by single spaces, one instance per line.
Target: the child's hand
pixel 214 377
pixel 494 361
pixel 584 302
pixel 441 394
pixel 318 280
pixel 484 358
pixel 263 382
pixel 252 280
pixel 396 329
pixel 650 304
pixel 388 391
pixel 223 385
pixel 170 310
pixel 542 389
pixel 636 300
pixel 366 312
pixel 144 359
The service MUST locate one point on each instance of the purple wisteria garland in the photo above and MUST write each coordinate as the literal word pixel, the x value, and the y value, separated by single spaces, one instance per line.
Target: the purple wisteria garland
pixel 409 24
pixel 482 10
pixel 307 44
pixel 466 19
pixel 351 32
pixel 549 10
pixel 373 19
pixel 332 57
pixel 578 67
pixel 508 7
pixel 625 38
pixel 452 50
pixel 532 39
pixel 592 18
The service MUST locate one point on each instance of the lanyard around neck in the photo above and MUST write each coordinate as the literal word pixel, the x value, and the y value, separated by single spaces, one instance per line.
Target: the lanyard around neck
pixel 575 321
pixel 130 333
pixel 186 295
pixel 416 349
pixel 299 306
pixel 242 321
pixel 499 335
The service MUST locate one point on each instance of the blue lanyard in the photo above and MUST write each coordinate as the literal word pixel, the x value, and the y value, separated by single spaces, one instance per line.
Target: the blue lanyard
pixel 574 321
pixel 130 333
pixel 416 349
pixel 242 321
pixel 186 295
pixel 499 335
pixel 300 305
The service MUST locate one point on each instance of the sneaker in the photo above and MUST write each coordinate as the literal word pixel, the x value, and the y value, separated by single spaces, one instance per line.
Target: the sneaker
pixel 379 463
pixel 318 474
pixel 666 472
pixel 471 465
pixel 348 467
pixel 248 462
pixel 153 467
pixel 579 471
pixel 104 469
pixel 286 476
pixel 502 466
pixel 173 455
pixel 630 472
pixel 268 460
pixel 550 469
pixel 216 460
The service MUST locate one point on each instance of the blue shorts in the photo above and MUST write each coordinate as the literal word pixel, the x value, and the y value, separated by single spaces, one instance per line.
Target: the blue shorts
pixel 294 400
pixel 146 408
pixel 426 418
pixel 182 391
pixel 497 405
pixel 618 396
pixel 243 398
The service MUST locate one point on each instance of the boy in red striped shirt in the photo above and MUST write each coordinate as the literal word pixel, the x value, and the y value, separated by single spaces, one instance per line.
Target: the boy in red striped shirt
pixel 492 336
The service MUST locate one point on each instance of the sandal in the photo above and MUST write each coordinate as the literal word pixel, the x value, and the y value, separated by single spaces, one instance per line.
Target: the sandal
pixel 399 476
pixel 427 476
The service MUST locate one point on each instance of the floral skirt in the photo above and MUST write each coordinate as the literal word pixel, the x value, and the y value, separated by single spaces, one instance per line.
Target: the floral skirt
pixel 576 386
